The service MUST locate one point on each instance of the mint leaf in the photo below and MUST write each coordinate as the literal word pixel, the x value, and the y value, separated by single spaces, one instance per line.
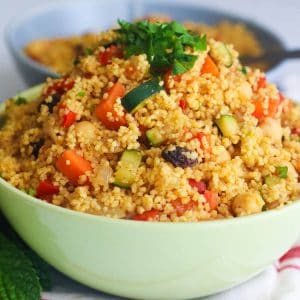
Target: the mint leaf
pixel 18 279
pixel 40 266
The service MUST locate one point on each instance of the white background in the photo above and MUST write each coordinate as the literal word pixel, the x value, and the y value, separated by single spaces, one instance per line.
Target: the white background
pixel 283 17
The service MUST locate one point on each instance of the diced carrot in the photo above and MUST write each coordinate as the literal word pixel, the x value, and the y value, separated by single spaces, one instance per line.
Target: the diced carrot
pixel 205 141
pixel 106 56
pixel 60 85
pixel 46 188
pixel 182 104
pixel 105 109
pixel 271 111
pixel 72 165
pixel 259 110
pixel 209 67
pixel 147 215
pixel 199 185
pixel 182 208
pixel 211 198
pixel 168 75
pixel 273 107
pixel 68 119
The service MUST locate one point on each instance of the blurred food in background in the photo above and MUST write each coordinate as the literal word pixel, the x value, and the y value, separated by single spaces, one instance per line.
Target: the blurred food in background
pixel 60 54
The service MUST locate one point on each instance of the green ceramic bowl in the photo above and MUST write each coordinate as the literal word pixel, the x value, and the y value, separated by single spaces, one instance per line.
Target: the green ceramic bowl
pixel 150 260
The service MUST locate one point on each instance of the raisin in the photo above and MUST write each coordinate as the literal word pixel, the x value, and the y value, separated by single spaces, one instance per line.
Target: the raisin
pixel 36 146
pixel 55 100
pixel 180 156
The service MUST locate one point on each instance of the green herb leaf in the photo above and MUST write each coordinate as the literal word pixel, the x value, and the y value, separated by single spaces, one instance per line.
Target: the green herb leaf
pixel 2 120
pixel 282 171
pixel 163 43
pixel 18 279
pixel 183 63
pixel 40 266
pixel 20 101
pixel 88 51
pixel 81 94
pixel 244 70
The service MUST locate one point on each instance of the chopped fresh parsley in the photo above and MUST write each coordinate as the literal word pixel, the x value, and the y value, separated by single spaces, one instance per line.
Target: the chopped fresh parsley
pixel 2 120
pixel 88 51
pixel 81 94
pixel 31 192
pixel 164 44
pixel 20 101
pixel 244 70
pixel 282 171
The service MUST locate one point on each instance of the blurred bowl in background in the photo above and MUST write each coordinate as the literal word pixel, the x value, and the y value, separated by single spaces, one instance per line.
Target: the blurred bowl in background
pixel 60 19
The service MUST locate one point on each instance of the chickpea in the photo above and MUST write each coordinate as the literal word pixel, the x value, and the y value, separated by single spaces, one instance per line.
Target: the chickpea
pixel 85 130
pixel 247 203
pixel 272 129
pixel 245 91
pixel 220 154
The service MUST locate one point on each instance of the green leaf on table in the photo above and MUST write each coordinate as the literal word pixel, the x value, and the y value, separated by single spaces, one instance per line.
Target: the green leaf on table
pixel 40 266
pixel 18 279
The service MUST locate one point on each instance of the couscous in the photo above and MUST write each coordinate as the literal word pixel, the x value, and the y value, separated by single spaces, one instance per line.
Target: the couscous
pixel 156 124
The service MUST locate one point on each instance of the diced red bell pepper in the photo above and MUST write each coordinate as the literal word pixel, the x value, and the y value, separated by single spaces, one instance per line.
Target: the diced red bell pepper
pixel 60 85
pixel 199 185
pixel 147 215
pixel 106 56
pixel 182 208
pixel 261 83
pixel 45 189
pixel 167 77
pixel 211 198
pixel 182 104
pixel 68 119
pixel 296 131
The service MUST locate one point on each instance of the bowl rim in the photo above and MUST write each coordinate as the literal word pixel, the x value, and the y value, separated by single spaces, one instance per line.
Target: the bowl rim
pixel 12 25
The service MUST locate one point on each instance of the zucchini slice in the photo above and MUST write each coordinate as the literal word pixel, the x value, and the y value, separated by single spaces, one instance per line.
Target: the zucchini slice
pixel 154 136
pixel 127 168
pixel 271 180
pixel 134 99
pixel 228 125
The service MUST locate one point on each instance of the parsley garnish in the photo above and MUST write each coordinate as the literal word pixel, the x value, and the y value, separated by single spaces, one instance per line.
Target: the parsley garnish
pixel 244 70
pixel 20 101
pixel 282 171
pixel 81 94
pixel 163 43
pixel 88 51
